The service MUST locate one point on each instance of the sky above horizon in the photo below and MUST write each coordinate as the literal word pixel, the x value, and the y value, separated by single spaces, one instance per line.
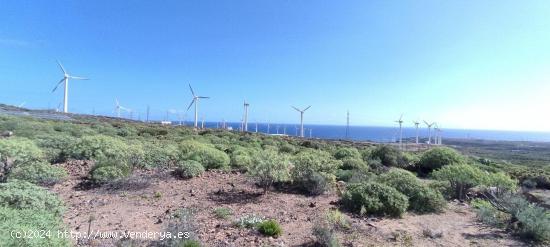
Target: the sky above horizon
pixel 463 64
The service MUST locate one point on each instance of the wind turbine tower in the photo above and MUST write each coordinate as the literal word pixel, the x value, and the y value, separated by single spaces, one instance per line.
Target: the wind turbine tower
pixel 400 122
pixel 245 118
pixel 416 123
pixel 301 119
pixel 195 101
pixel 429 131
pixel 65 79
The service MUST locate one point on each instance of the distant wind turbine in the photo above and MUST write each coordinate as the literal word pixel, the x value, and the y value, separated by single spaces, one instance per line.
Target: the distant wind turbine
pixel 245 117
pixel 400 122
pixel 22 104
pixel 196 102
pixel 301 119
pixel 65 79
pixel 429 131
pixel 118 107
pixel 416 123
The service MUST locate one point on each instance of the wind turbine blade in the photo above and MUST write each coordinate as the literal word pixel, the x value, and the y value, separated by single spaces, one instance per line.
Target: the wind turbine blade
pixel 61 66
pixel 78 78
pixel 426 123
pixel 203 97
pixel 401 117
pixel 59 83
pixel 191 104
pixel 307 108
pixel 116 101
pixel 295 108
pixel 192 92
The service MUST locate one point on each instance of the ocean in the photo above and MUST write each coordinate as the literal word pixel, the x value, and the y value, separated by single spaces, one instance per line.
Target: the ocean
pixel 384 134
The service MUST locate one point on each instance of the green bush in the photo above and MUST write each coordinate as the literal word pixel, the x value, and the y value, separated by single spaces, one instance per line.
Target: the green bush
pixel 223 213
pixel 422 199
pixel 108 170
pixel 190 243
pixel 534 223
pixel 100 147
pixel 270 228
pixel 354 164
pixel 436 158
pixel 338 220
pixel 38 173
pixel 18 194
pixel 287 148
pixel 189 169
pixel 242 158
pixel 374 198
pixel 461 178
pixel 389 156
pixel 347 153
pixel 269 167
pixel 21 150
pixel 30 220
pixel 160 154
pixel 502 182
pixel 207 155
pixel 314 170
pixel 325 234
pixel 249 221
pixel 55 147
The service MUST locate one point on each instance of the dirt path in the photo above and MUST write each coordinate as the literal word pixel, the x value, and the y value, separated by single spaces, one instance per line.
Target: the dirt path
pixel 149 209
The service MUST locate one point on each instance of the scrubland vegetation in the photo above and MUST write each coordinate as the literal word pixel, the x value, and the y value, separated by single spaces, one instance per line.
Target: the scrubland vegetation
pixel 372 180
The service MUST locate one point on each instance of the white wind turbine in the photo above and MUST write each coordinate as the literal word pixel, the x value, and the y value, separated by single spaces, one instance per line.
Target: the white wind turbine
pixel 429 131
pixel 416 123
pixel 400 122
pixel 65 79
pixel 196 102
pixel 301 119
pixel 118 107
pixel 245 118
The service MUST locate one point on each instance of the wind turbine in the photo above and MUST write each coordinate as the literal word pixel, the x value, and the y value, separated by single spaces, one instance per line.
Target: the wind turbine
pixel 437 134
pixel 65 79
pixel 118 107
pixel 429 131
pixel 22 104
pixel 301 119
pixel 416 123
pixel 196 102
pixel 245 118
pixel 400 122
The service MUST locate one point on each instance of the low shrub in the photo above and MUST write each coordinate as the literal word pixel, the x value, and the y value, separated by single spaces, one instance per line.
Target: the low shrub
pixel 438 157
pixel 388 156
pixel 39 173
pixel 325 234
pixel 242 158
pixel 160 155
pixel 207 155
pixel 422 199
pixel 108 170
pixel 374 198
pixel 513 212
pixel 31 220
pixel 347 153
pixel 338 220
pixel 20 150
pixel 189 169
pixel 287 148
pixel 18 194
pixel 269 167
pixel 461 178
pixel 354 164
pixel 249 221
pixel 100 147
pixel 55 147
pixel 223 213
pixel 314 171
pixel 270 228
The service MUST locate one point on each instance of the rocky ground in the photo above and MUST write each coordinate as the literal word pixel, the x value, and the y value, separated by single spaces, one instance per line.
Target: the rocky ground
pixel 147 201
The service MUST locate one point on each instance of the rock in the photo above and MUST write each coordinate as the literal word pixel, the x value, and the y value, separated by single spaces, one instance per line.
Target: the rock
pixel 312 204
pixel 159 221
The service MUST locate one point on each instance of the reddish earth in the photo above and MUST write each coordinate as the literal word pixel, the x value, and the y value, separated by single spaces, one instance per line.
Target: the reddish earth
pixel 147 203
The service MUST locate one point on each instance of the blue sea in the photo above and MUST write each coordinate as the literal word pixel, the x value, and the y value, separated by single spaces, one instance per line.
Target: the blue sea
pixel 385 134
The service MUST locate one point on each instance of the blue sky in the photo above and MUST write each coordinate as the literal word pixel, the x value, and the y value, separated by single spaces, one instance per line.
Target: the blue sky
pixel 464 64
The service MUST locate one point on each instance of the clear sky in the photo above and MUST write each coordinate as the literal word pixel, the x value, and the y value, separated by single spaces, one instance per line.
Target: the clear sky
pixel 464 64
